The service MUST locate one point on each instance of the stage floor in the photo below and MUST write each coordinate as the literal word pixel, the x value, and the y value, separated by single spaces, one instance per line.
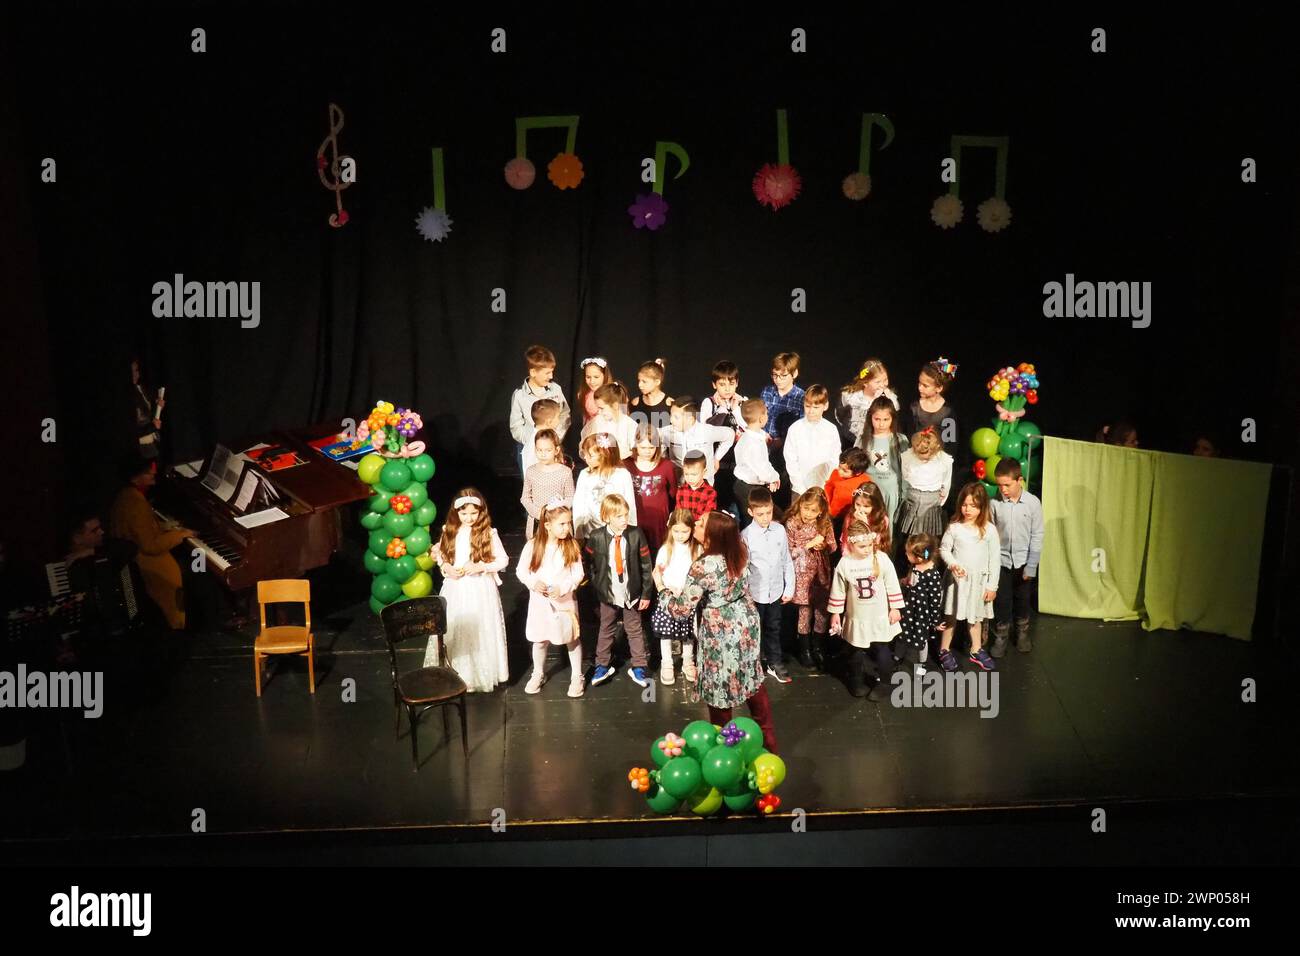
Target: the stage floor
pixel 1097 713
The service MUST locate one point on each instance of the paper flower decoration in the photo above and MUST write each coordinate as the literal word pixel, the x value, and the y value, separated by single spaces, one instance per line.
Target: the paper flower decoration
pixel 947 211
pixel 640 779
pixel 777 185
pixel 520 172
pixel 648 212
pixel 565 171
pixel 433 224
pixel 856 186
pixel 993 214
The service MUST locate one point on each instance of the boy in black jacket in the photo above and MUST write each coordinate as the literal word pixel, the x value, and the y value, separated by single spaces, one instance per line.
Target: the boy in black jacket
pixel 619 566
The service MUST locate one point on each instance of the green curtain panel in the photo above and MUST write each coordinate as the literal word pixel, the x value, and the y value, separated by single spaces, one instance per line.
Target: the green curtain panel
pixel 1097 509
pixel 1173 540
pixel 1207 531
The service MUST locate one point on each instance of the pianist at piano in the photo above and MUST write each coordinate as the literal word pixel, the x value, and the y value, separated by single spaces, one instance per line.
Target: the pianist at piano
pixel 131 518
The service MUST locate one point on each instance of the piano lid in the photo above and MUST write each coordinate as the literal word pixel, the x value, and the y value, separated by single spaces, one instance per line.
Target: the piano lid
pixel 319 483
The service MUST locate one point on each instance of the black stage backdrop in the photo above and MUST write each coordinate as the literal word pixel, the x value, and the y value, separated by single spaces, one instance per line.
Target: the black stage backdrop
pixel 1123 166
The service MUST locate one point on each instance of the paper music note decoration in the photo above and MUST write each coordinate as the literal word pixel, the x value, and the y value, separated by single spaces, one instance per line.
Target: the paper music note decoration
pixel 651 211
pixel 564 171
pixel 339 217
pixel 857 186
pixel 432 222
pixel 993 214
pixel 778 185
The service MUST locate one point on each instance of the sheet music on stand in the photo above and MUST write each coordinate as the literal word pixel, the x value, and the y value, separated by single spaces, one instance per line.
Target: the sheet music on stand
pixel 224 470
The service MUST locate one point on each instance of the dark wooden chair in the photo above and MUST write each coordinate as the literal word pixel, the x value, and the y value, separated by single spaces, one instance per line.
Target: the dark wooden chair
pixel 428 687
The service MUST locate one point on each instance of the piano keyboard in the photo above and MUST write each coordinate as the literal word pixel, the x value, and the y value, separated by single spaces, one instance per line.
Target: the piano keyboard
pixel 218 552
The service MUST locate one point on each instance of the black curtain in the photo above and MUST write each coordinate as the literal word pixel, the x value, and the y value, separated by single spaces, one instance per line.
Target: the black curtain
pixel 1123 166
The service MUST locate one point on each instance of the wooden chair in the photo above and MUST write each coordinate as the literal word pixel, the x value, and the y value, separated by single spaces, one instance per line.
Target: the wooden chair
pixel 285 639
pixel 428 687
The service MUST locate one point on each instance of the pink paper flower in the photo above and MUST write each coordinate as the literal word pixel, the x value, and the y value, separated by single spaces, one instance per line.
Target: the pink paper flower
pixel 777 185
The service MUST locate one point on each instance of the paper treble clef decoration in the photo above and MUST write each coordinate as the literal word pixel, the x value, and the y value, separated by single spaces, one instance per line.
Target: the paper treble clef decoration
pixel 341 169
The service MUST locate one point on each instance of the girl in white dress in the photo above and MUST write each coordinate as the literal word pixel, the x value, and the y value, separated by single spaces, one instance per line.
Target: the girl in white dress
pixel 551 568
pixel 866 606
pixel 470 556
pixel 604 475
pixel 971 550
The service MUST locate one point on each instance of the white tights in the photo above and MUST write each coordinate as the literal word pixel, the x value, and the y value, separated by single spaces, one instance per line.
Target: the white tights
pixel 575 657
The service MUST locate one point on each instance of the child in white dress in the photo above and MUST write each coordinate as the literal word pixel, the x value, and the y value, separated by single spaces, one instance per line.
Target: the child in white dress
pixel 604 475
pixel 470 554
pixel 866 606
pixel 973 555
pixel 551 568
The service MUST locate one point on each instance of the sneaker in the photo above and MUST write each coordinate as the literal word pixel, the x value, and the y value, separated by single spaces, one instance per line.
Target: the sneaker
pixel 535 682
pixel 666 675
pixel 778 674
pixel 947 660
pixel 982 660
pixel 602 674
pixel 638 676
pixel 576 687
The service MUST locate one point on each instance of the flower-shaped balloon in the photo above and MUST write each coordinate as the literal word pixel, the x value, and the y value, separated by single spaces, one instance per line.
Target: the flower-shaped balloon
pixel 731 735
pixel 947 211
pixel 1031 396
pixel 648 212
pixel 565 171
pixel 640 779
pixel 520 172
pixel 384 408
pixel 408 424
pixel 856 186
pixel 672 745
pixel 777 185
pixel 765 780
pixel 396 548
pixel 400 504
pixel 993 214
pixel 768 804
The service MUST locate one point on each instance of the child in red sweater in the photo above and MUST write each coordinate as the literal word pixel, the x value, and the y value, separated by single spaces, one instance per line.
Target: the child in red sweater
pixel 852 472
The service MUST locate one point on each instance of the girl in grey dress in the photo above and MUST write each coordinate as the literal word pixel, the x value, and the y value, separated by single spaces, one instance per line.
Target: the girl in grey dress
pixel 884 447
pixel 973 555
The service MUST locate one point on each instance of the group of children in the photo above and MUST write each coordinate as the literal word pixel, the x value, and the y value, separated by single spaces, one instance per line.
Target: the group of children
pixel 857 480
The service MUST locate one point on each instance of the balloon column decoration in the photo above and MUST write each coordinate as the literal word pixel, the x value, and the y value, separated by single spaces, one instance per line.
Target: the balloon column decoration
pixel 399 512
pixel 709 767
pixel 1011 435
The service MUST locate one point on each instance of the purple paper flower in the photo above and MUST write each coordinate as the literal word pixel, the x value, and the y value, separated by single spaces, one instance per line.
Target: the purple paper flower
pixel 649 211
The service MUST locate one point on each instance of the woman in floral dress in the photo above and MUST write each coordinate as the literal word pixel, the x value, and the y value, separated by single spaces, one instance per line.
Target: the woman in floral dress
pixel 727 626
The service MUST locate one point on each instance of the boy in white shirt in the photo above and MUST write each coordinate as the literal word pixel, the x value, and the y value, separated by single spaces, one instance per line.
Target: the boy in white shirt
pixel 688 433
pixel 753 468
pixel 812 446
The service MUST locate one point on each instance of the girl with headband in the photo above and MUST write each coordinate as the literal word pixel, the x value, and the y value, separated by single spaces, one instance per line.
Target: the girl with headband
pixel 470 555
pixel 551 569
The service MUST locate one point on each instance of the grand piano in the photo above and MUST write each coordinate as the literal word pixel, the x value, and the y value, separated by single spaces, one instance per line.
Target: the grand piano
pixel 312 494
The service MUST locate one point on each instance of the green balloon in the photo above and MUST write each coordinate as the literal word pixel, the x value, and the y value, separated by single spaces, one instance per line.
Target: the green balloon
pixel 992 488
pixel 775 764
pixel 372 520
pixel 984 442
pixel 369 467
pixel 379 502
pixel 723 766
pixel 379 539
pixel 417 493
pixel 374 563
pixel 752 745
pixel 661 801
pixel 705 800
pixel 376 606
pixel 426 514
pixel 424 562
pixel 681 777
pixel 421 467
pixel 1032 434
pixel 400 525
pixel 402 569
pixel 658 756
pixel 1012 445
pixel 384 589
pixel 742 801
pixel 419 586
pixel 417 542
pixel 701 737
pixel 395 476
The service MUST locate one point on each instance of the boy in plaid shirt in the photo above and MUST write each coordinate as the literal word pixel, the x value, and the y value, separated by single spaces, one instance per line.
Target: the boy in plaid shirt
pixel 783 398
pixel 694 493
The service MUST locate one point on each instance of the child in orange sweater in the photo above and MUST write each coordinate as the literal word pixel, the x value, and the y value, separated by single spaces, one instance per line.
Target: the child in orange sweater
pixel 852 472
